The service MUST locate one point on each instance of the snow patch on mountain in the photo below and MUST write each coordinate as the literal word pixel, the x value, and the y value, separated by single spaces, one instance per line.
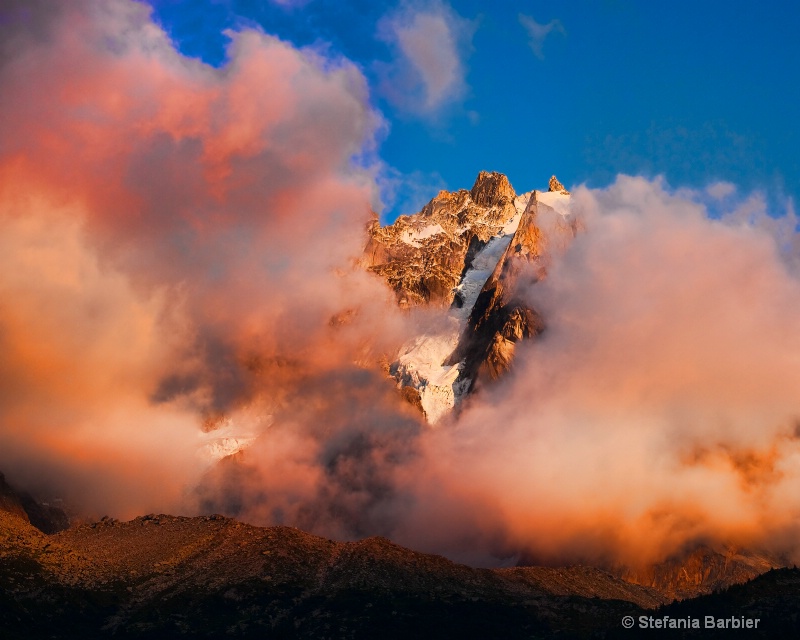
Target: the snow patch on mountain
pixel 232 435
pixel 482 266
pixel 421 363
pixel 520 205
pixel 556 200
pixel 556 223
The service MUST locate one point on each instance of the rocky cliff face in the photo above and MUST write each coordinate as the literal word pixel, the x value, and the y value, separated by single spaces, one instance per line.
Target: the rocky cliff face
pixel 423 257
pixel 701 571
pixel 45 517
pixel 501 317
pixel 474 253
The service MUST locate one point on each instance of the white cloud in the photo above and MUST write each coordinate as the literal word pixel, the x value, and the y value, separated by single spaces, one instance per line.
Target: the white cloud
pixel 538 32
pixel 720 190
pixel 428 72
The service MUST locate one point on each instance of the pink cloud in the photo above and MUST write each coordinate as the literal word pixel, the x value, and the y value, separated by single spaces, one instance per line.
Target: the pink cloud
pixel 428 73
pixel 167 225
pixel 659 408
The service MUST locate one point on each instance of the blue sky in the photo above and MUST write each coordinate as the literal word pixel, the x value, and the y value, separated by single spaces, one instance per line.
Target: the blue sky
pixel 696 91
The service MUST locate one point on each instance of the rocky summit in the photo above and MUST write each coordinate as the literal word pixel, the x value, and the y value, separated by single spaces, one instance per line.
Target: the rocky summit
pixel 423 257
pixel 475 254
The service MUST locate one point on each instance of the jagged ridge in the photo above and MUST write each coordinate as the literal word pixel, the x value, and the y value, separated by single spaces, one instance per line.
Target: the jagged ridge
pixel 423 257
pixel 477 251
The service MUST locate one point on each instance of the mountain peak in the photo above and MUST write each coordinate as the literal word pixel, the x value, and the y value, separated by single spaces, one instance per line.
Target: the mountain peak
pixel 491 188
pixel 555 185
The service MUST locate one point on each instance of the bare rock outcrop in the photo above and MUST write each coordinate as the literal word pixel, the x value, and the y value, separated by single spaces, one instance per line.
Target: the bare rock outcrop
pixel 555 185
pixel 500 318
pixel 703 570
pixel 491 190
pixel 423 256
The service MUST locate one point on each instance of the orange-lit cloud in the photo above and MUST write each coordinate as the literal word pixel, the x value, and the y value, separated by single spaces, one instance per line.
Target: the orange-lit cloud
pixel 657 411
pixel 660 406
pixel 166 229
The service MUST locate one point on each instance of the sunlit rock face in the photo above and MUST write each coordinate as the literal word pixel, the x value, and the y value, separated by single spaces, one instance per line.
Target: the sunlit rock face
pixel 501 317
pixel 423 257
pixel 555 185
pixel 471 253
pixel 701 570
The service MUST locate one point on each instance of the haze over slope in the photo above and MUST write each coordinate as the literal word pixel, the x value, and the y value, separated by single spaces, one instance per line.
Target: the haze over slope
pixel 178 246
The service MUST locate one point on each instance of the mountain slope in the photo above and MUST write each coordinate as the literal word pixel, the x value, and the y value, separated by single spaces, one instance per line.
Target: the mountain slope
pixel 702 570
pixel 771 598
pixel 164 576
pixel 45 517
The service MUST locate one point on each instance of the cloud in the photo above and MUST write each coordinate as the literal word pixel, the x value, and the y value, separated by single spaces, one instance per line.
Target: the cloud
pixel 537 33
pixel 291 3
pixel 659 408
pixel 431 44
pixel 657 411
pixel 176 239
pixel 721 190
